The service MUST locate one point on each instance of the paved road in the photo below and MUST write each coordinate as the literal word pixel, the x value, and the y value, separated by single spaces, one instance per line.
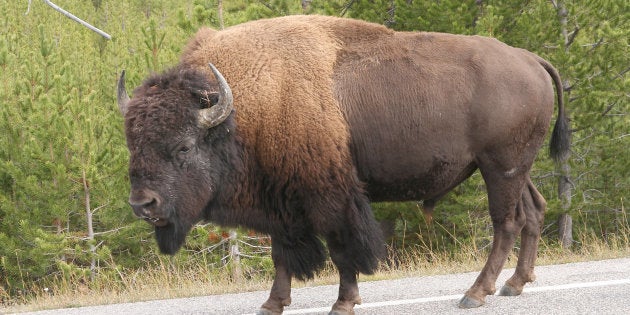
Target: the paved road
pixel 599 287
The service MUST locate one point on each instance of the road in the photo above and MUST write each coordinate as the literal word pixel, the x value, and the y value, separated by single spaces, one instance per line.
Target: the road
pixel 597 287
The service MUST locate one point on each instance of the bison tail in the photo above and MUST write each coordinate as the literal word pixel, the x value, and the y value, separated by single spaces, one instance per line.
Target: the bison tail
pixel 560 144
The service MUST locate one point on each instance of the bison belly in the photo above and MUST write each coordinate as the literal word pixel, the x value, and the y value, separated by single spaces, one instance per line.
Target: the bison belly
pixel 410 174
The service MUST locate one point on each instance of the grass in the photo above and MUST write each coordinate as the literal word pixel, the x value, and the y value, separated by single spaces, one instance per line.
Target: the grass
pixel 433 254
pixel 165 281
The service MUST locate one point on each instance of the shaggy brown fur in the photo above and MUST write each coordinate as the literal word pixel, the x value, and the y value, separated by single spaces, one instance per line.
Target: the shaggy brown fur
pixel 329 112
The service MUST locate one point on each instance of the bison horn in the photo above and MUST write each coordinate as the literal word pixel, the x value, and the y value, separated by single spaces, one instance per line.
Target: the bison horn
pixel 214 115
pixel 123 97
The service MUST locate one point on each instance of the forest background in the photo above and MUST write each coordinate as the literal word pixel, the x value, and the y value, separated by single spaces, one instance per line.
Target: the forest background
pixel 64 220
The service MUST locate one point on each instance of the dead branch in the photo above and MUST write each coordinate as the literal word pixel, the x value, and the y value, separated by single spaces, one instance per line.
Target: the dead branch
pixel 28 9
pixel 76 19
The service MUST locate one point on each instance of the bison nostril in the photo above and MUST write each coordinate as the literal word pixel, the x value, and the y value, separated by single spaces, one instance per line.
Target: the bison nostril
pixel 144 203
pixel 144 198
pixel 143 209
pixel 151 203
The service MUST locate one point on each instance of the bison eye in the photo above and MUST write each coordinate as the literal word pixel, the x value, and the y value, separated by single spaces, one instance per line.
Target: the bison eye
pixel 184 149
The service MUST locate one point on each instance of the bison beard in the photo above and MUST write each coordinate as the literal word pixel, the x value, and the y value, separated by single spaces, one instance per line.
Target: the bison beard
pixel 171 237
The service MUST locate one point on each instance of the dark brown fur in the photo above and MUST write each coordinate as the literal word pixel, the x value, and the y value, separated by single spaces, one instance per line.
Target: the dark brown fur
pixel 329 112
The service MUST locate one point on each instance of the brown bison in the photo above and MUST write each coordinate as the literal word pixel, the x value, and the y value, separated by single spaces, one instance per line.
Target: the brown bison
pixel 323 114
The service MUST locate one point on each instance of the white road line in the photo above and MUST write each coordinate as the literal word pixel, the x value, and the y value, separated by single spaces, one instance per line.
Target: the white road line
pixel 578 285
pixel 411 301
pixel 458 296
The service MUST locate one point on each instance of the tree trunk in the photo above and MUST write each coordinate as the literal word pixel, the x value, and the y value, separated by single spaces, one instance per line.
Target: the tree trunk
pixel 90 229
pixel 565 231
pixel 220 13
pixel 565 223
pixel 306 4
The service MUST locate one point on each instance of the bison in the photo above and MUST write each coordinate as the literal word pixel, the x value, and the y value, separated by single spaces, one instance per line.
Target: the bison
pixel 322 115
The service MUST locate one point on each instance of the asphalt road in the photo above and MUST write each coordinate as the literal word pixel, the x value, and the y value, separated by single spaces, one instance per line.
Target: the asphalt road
pixel 598 287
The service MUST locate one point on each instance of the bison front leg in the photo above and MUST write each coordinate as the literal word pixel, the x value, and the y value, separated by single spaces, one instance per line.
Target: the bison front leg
pixel 280 295
pixel 348 287
pixel 348 294
pixel 355 245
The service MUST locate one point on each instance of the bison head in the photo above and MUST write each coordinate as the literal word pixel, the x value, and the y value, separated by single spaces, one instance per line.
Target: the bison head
pixel 178 125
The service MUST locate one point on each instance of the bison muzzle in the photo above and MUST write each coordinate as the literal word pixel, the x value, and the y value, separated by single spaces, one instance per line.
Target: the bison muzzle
pixel 322 113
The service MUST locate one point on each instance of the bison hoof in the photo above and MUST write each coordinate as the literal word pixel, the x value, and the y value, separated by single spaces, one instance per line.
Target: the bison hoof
pixel 469 302
pixel 264 311
pixel 509 290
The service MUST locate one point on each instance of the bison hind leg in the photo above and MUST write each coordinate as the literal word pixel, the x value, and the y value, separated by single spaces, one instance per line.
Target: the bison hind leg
pixel 533 205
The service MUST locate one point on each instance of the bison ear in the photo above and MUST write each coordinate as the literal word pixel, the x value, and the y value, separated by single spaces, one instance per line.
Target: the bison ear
pixel 122 96
pixel 214 115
